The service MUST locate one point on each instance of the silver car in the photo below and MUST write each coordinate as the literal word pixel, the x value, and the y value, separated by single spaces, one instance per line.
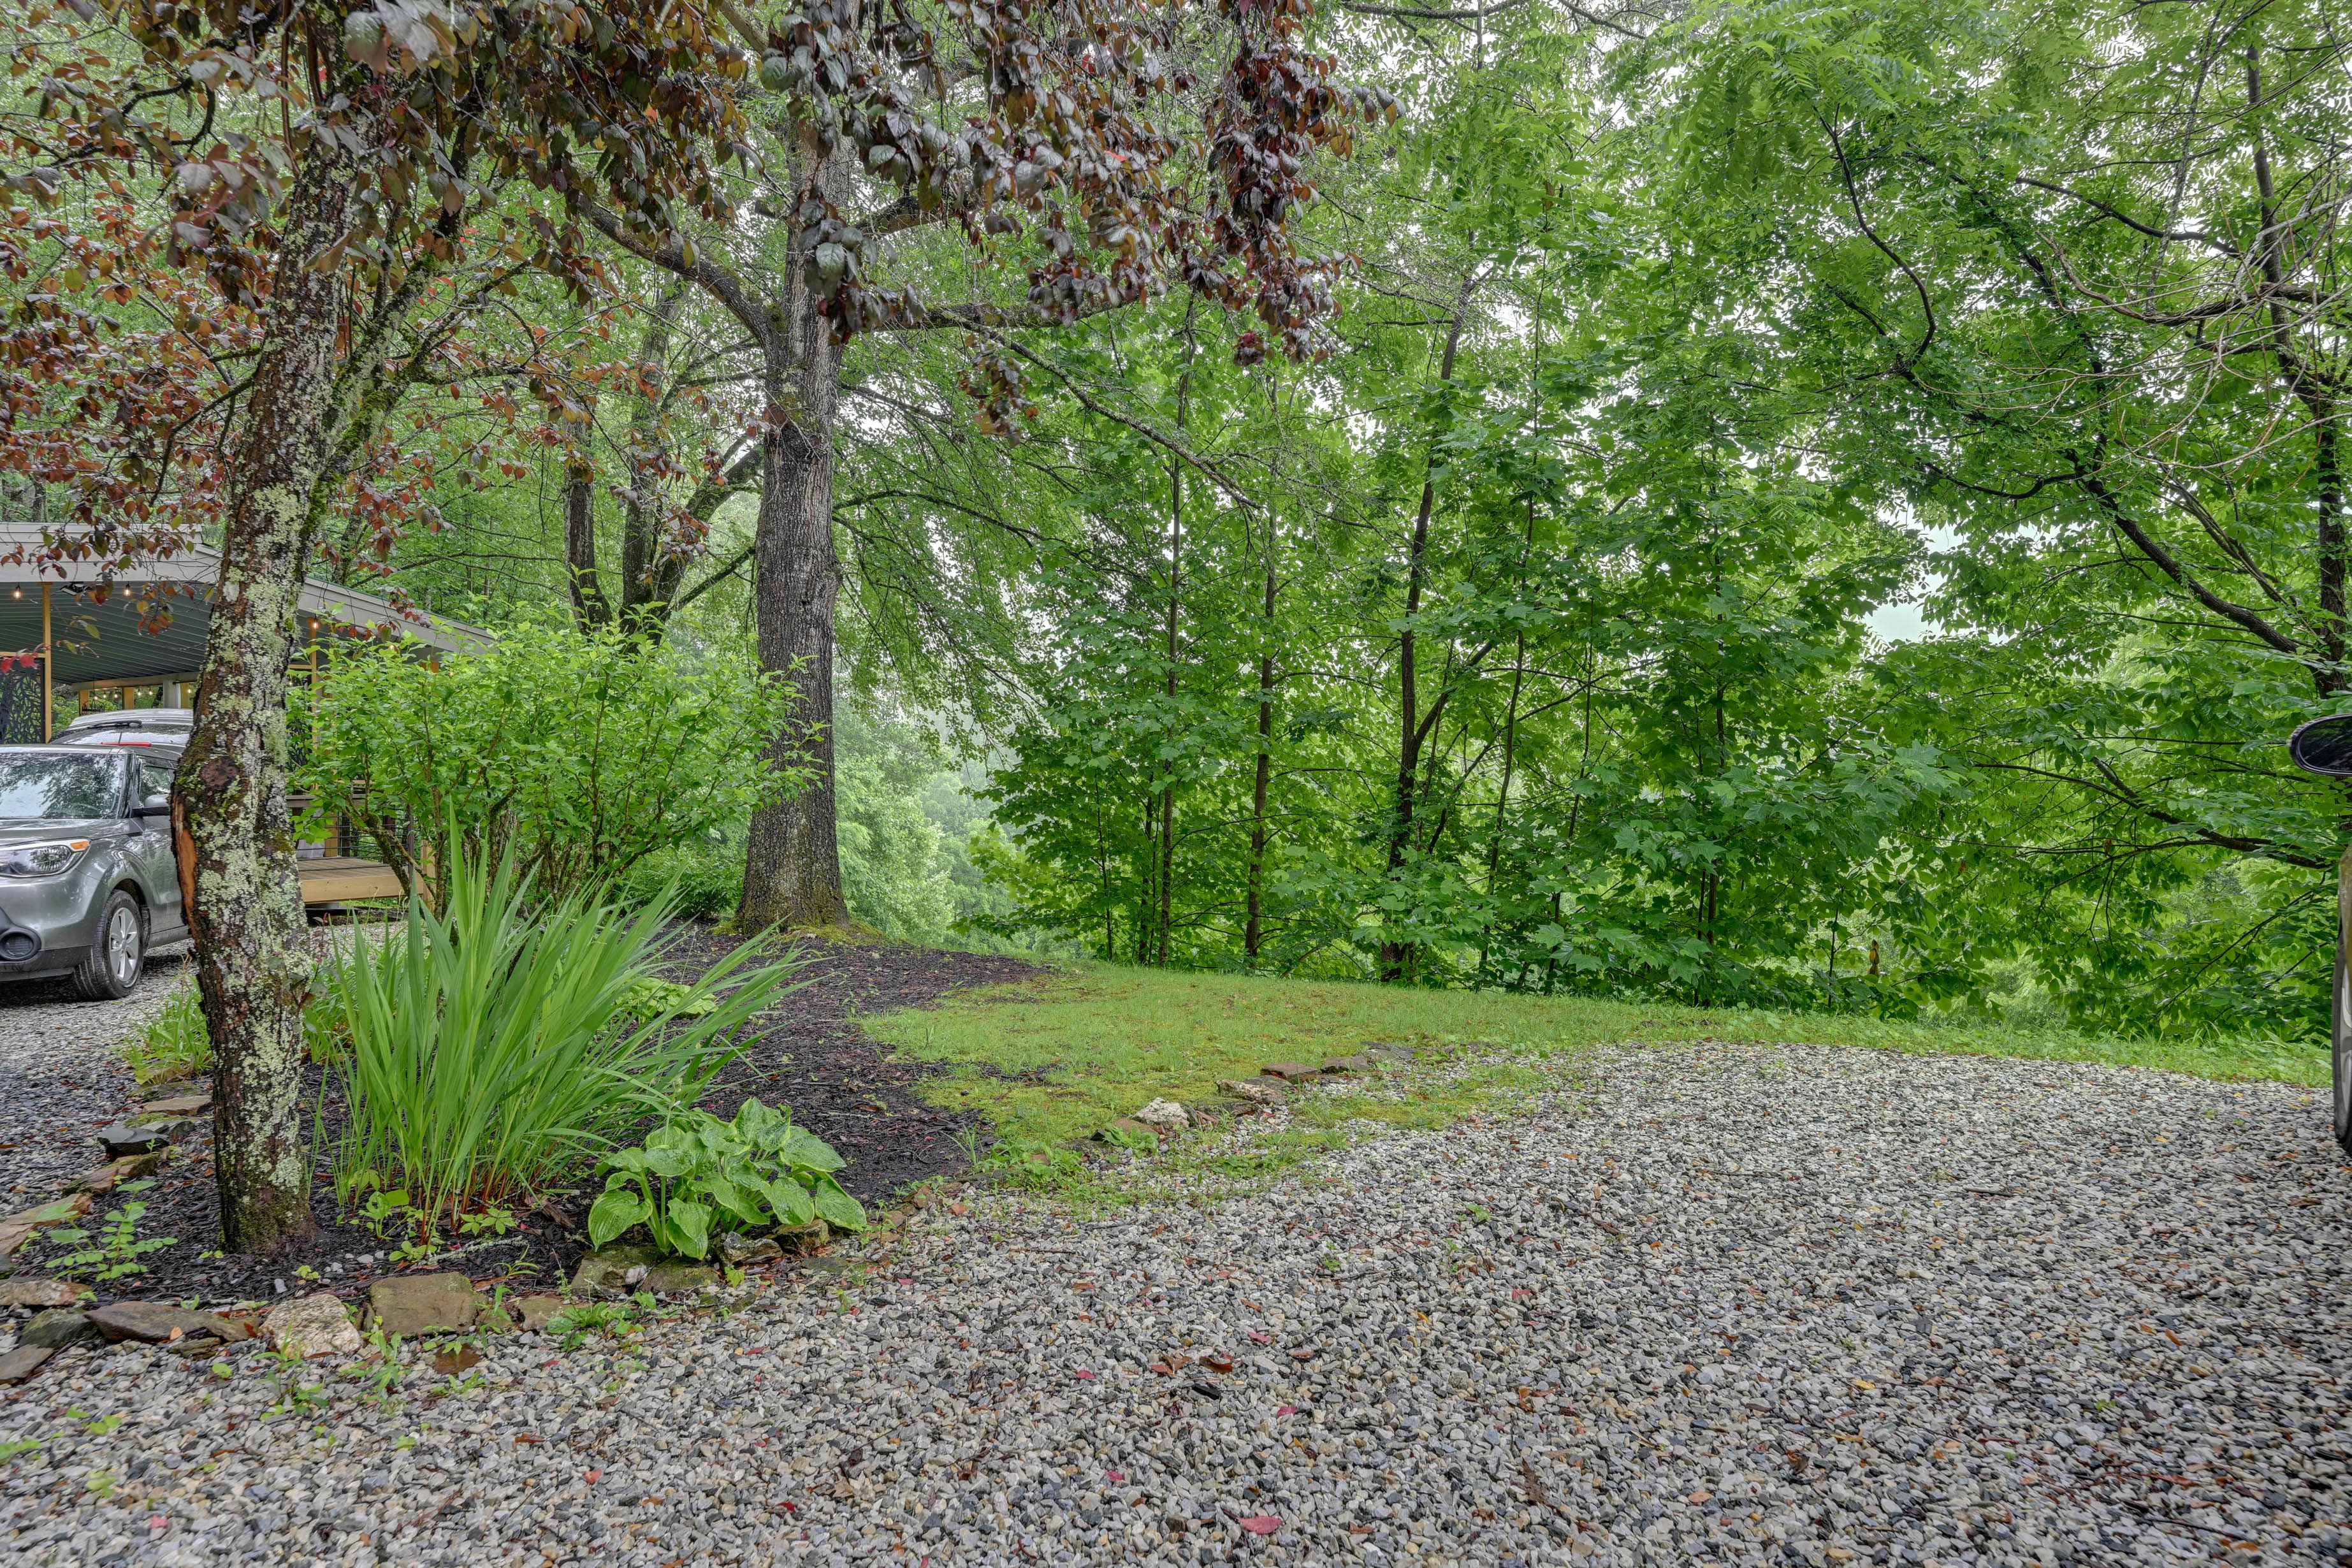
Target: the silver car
pixel 140 727
pixel 88 879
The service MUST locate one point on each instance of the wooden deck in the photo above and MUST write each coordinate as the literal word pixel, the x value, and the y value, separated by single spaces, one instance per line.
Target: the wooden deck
pixel 339 877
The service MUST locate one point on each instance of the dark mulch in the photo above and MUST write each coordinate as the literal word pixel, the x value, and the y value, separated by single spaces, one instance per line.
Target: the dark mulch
pixel 837 1082
pixel 811 1057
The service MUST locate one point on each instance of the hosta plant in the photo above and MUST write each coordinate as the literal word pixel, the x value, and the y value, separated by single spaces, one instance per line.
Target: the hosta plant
pixel 697 1173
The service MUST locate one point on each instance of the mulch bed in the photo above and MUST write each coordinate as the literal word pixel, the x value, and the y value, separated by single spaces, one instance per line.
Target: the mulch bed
pixel 812 1057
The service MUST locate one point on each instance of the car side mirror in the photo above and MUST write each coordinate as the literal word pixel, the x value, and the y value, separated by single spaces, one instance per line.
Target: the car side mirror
pixel 153 806
pixel 2324 747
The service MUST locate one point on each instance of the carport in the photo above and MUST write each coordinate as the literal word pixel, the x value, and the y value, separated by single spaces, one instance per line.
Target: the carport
pixel 74 635
pixel 78 631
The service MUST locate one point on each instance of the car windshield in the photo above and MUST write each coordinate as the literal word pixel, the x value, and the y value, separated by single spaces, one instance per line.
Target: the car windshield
pixel 45 784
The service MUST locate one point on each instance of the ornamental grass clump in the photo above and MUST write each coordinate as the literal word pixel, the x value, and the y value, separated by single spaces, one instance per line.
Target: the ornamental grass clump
pixel 495 1049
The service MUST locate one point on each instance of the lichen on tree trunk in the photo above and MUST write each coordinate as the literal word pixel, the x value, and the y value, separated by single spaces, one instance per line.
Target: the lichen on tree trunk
pixel 792 871
pixel 232 820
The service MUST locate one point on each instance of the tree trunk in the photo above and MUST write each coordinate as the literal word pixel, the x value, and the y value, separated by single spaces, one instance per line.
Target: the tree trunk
pixel 1396 956
pixel 650 573
pixel 234 828
pixel 1166 875
pixel 792 871
pixel 1254 931
pixel 1503 795
pixel 1166 870
pixel 589 607
pixel 1254 922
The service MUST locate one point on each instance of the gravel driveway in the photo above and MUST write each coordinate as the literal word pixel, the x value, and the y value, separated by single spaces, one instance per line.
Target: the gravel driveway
pixel 62 1076
pixel 1726 1304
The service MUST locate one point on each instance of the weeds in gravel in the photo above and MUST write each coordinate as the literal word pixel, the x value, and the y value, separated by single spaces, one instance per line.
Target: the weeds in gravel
pixel 174 1043
pixel 605 1319
pixel 380 1372
pixel 1030 1165
pixel 118 1248
pixel 294 1396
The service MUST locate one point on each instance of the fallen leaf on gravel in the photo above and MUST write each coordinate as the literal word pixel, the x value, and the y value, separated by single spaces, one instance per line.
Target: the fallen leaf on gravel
pixel 1359 1529
pixel 1864 1382
pixel 1302 1355
pixel 1701 1496
pixel 1263 1524
pixel 1288 1410
pixel 595 1476
pixel 1262 1339
pixel 455 1361
pixel 1114 1475
pixel 528 1437
pixel 1082 1374
pixel 1217 1363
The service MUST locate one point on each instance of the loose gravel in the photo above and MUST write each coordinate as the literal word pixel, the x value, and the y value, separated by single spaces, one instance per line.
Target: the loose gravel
pixel 62 1075
pixel 1708 1304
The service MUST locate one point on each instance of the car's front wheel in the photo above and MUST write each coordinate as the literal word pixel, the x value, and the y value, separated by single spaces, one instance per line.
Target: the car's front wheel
pixel 116 959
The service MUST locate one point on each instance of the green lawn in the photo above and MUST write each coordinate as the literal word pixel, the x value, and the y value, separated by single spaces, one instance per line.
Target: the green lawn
pixel 1053 1060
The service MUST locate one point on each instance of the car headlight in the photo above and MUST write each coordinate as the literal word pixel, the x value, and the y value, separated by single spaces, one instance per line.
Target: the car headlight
pixel 41 859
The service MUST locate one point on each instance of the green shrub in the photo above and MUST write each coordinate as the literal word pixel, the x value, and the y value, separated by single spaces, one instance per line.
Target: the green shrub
pixel 758 1170
pixel 703 881
pixel 491 1053
pixel 580 753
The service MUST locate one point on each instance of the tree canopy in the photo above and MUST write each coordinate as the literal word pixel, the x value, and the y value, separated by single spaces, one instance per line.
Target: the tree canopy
pixel 1410 492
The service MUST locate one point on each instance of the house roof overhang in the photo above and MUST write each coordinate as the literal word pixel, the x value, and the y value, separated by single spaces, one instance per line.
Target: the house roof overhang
pixel 149 620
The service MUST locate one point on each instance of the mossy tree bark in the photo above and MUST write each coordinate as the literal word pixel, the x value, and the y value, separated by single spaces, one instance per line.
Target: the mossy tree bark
pixel 792 873
pixel 322 386
pixel 234 826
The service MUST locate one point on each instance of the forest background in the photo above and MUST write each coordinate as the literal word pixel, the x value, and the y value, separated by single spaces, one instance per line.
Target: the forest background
pixel 1539 629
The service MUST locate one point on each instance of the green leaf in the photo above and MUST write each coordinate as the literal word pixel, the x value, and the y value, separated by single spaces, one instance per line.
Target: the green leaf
pixel 755 1119
pixel 729 1195
pixel 809 1152
pixel 615 1211
pixel 668 1163
pixel 838 1207
pixel 792 1201
pixel 690 1225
